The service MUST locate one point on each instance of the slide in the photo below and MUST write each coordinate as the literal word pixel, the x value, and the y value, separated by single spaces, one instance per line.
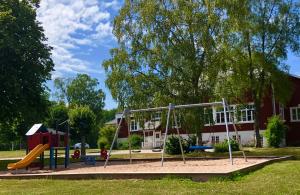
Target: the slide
pixel 33 154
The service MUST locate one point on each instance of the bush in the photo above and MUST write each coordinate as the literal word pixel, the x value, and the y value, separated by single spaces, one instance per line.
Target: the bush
pixel 136 142
pixel 123 145
pixel 103 143
pixel 275 131
pixel 173 146
pixel 223 146
pixel 106 133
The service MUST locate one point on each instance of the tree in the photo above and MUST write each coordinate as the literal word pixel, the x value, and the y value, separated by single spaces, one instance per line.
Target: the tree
pixel 262 33
pixel 167 53
pixel 107 115
pixel 58 114
pixel 25 62
pixel 82 120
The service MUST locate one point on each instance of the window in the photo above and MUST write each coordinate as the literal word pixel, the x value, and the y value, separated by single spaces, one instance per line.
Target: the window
pixel 133 125
pixel 156 116
pixel 295 113
pixel 247 113
pixel 208 116
pixel 215 139
pixel 234 137
pixel 220 117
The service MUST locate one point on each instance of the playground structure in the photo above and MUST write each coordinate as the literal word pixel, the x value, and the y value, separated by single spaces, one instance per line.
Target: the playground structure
pixel 172 108
pixel 39 139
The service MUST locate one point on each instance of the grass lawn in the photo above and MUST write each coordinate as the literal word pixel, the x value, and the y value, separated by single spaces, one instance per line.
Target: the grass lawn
pixel 278 178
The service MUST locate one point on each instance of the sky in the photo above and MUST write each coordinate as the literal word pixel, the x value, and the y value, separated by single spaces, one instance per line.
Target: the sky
pixel 80 33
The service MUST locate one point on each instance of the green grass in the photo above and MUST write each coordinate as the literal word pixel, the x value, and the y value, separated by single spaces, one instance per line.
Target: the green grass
pixel 278 178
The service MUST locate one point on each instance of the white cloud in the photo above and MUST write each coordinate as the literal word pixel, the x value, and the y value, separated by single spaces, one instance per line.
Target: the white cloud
pixel 71 24
pixel 114 4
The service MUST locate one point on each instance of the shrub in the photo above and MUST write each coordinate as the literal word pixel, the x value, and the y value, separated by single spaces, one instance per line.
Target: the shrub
pixel 123 145
pixel 275 131
pixel 173 146
pixel 103 143
pixel 106 133
pixel 136 141
pixel 223 146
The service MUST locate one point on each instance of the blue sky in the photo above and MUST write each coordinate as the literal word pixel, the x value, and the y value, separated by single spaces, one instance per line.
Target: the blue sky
pixel 80 33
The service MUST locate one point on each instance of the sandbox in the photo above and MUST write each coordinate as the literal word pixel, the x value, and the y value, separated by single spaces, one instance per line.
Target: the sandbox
pixel 196 169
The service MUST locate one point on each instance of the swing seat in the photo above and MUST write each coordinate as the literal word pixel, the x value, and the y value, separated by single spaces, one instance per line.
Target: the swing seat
pixel 193 148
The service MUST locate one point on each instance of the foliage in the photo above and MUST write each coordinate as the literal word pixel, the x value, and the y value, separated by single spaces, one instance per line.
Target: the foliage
pixel 103 143
pixel 223 146
pixel 173 146
pixel 124 145
pixel 82 90
pixel 106 134
pixel 107 115
pixel 136 141
pixel 166 53
pixel 260 36
pixel 82 121
pixel 58 113
pixel 25 63
pixel 275 131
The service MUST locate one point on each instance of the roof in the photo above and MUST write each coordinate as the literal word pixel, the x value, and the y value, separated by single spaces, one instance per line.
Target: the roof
pixel 112 122
pixel 295 76
pixel 34 129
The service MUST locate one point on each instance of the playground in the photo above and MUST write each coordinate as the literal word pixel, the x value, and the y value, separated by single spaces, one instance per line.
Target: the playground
pixel 40 139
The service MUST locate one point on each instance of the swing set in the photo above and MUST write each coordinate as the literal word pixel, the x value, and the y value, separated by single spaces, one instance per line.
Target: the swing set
pixel 171 109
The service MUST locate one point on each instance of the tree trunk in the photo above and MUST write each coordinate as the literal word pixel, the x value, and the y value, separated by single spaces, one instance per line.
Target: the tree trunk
pixel 83 146
pixel 256 123
pixel 199 136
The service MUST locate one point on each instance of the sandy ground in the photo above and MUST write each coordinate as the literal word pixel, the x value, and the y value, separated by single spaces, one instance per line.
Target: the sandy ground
pixel 191 166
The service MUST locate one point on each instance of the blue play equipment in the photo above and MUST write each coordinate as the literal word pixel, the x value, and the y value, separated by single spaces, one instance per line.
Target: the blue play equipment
pixel 193 148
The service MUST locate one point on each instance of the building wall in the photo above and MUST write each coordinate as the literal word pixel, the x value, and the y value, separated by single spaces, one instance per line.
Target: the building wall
pixel 247 129
pixel 293 133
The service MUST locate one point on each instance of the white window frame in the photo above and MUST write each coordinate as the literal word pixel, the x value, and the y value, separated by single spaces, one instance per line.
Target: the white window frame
pixel 228 114
pixel 133 121
pixel 297 114
pixel 245 110
pixel 215 139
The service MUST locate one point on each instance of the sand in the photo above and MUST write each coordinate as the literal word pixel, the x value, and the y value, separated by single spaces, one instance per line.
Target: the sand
pixel 191 166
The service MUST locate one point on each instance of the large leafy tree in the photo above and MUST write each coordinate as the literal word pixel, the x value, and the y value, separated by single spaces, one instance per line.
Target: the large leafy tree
pixel 260 36
pixel 58 114
pixel 82 121
pixel 167 52
pixel 25 63
pixel 82 91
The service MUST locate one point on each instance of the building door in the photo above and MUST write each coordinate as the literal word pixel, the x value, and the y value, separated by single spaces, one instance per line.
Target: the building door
pixel 157 139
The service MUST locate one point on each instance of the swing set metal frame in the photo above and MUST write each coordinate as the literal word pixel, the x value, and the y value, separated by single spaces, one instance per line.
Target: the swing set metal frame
pixel 171 108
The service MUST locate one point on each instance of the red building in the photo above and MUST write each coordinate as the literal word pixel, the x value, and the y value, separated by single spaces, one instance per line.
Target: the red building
pixel 214 132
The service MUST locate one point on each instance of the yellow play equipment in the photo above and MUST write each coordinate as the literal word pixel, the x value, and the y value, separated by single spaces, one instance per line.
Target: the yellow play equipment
pixel 31 156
